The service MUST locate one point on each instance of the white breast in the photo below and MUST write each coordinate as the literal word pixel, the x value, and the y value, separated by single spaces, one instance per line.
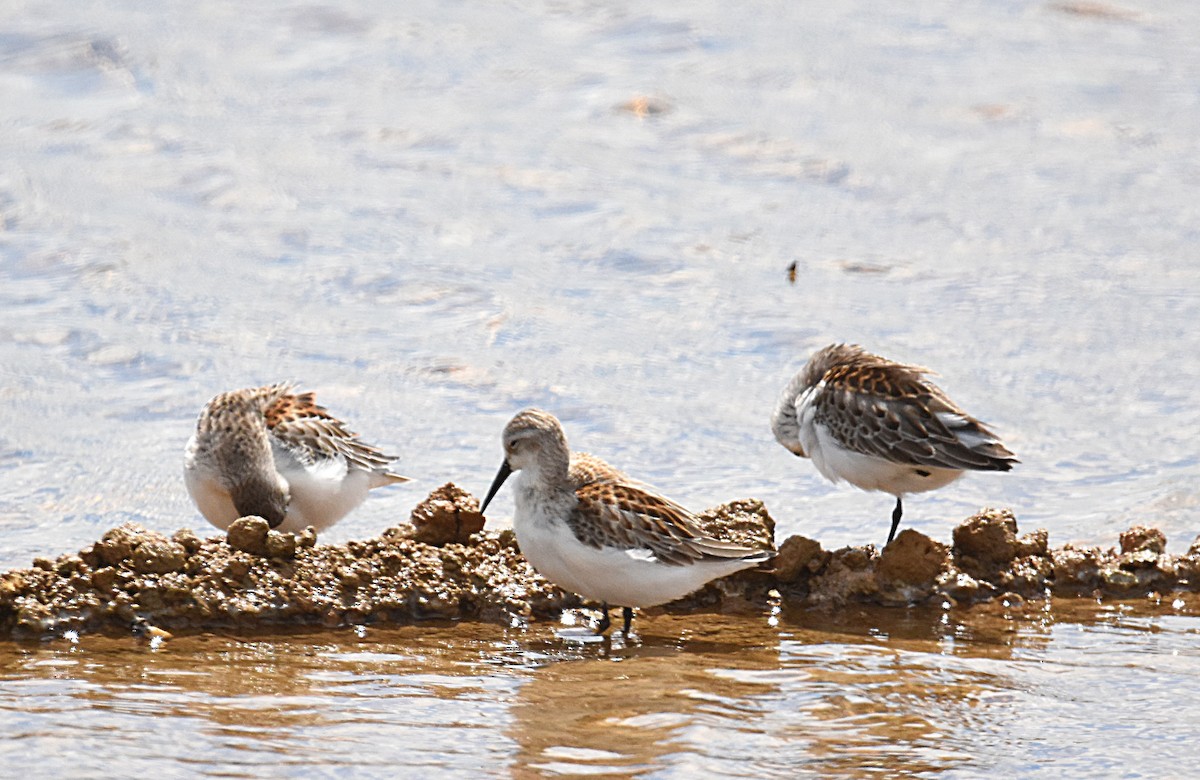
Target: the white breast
pixel 210 498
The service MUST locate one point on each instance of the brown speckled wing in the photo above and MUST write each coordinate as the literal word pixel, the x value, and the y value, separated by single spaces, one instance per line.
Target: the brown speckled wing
pixel 877 407
pixel 311 432
pixel 612 514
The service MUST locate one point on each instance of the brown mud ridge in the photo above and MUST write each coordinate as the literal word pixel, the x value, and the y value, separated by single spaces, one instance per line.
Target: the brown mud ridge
pixel 443 566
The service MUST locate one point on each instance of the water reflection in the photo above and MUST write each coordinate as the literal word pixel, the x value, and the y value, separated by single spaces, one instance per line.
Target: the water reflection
pixel 628 708
pixel 845 693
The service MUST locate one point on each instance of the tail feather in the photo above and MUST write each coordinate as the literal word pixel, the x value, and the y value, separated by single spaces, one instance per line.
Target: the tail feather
pixel 382 478
pixel 715 548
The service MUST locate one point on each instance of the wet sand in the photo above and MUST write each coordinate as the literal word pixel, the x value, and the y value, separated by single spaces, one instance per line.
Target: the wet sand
pixel 443 565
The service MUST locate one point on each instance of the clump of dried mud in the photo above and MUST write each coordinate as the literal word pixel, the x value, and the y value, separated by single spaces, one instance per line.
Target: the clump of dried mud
pixel 442 565
pixel 987 560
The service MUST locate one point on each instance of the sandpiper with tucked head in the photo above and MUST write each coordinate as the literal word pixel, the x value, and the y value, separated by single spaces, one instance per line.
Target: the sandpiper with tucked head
pixel 881 425
pixel 270 452
pixel 592 530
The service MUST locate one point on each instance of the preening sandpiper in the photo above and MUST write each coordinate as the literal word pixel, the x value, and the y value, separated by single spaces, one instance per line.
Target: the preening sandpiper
pixel 592 530
pixel 271 452
pixel 881 425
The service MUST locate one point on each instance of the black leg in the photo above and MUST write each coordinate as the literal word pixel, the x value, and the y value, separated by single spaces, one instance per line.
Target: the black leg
pixel 627 614
pixel 604 620
pixel 899 510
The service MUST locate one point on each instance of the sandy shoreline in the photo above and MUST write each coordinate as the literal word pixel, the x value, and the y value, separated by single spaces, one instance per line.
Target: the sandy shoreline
pixel 442 565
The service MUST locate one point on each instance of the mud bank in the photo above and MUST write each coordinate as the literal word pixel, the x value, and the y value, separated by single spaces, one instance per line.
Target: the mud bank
pixel 987 560
pixel 442 565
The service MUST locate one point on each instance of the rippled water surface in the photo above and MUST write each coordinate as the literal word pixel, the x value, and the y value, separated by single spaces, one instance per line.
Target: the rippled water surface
pixel 438 213
pixel 1076 691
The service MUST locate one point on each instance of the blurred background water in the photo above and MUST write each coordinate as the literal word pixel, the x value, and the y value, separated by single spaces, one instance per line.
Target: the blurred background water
pixel 438 213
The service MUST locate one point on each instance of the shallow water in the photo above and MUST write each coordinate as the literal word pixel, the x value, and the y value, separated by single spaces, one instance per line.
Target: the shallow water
pixel 1074 690
pixel 436 214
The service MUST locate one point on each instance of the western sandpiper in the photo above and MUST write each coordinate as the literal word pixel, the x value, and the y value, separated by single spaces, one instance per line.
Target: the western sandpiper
pixel 592 530
pixel 881 425
pixel 270 452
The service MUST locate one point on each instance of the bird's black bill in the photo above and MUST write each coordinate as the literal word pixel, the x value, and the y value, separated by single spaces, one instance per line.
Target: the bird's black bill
pixel 501 475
